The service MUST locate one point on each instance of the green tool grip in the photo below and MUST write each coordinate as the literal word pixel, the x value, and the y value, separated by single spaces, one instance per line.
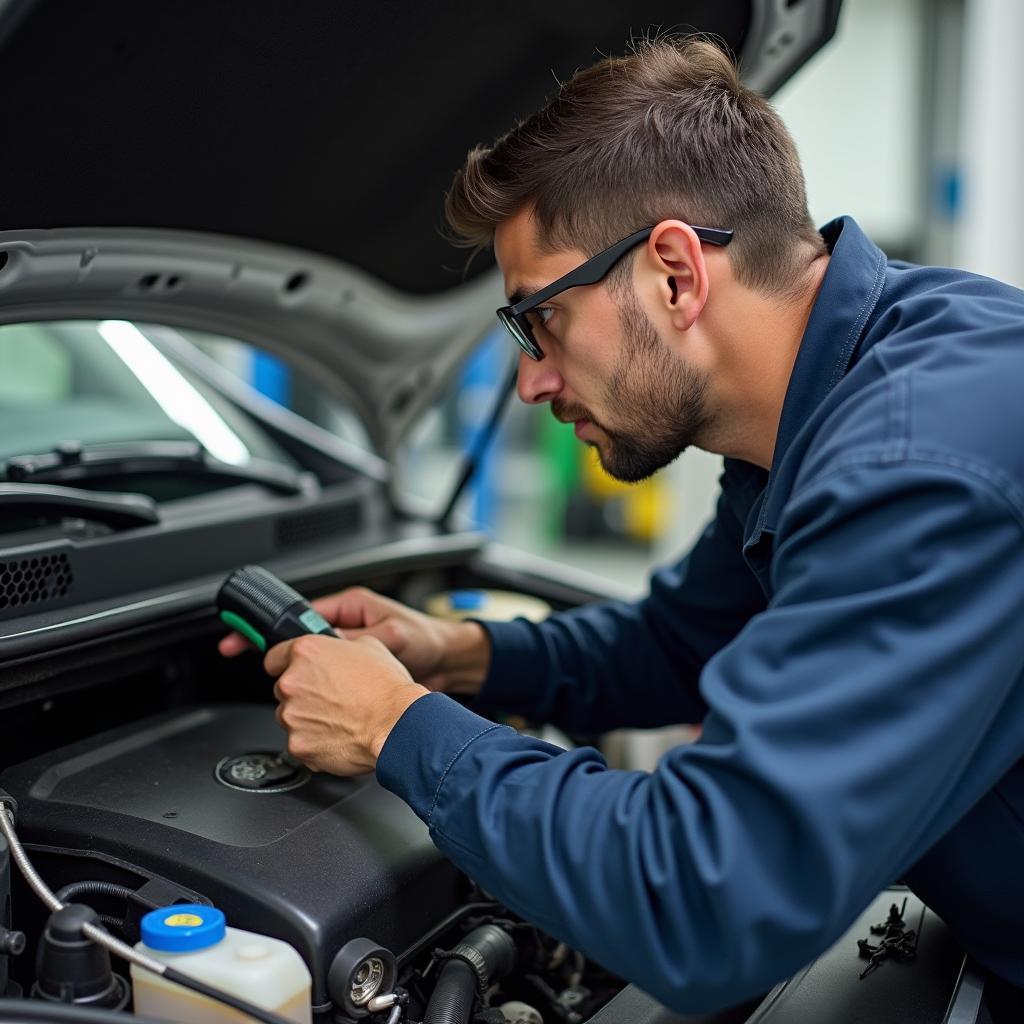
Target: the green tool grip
pixel 236 622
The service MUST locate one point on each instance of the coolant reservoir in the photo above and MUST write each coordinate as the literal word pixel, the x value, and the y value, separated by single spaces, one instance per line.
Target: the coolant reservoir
pixel 196 941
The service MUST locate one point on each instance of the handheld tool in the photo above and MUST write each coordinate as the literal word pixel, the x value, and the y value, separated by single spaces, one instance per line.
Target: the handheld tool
pixel 265 610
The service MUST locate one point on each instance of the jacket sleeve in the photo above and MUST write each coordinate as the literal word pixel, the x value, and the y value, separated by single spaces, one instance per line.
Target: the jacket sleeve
pixel 615 664
pixel 851 724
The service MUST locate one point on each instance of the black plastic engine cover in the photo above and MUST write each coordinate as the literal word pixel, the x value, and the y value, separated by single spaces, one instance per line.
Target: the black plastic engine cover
pixel 315 865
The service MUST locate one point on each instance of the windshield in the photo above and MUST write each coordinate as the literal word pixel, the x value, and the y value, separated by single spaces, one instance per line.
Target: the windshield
pixel 101 381
pixel 119 382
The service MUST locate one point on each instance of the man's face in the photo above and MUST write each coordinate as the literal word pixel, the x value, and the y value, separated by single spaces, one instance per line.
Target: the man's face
pixel 606 369
pixel 660 401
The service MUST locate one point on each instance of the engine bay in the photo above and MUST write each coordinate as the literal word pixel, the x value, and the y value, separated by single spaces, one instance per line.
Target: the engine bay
pixel 191 799
pixel 200 801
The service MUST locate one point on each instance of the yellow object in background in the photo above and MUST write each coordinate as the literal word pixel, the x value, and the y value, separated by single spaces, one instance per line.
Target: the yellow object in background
pixel 644 506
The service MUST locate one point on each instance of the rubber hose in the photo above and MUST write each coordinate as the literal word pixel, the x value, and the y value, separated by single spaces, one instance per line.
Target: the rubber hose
pixel 452 999
pixel 69 892
pixel 23 1011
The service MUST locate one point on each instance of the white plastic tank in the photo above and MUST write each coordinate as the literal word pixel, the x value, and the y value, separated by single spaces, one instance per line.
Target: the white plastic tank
pixel 196 941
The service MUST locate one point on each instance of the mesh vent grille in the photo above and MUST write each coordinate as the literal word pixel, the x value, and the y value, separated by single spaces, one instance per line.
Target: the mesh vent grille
pixel 307 527
pixel 28 581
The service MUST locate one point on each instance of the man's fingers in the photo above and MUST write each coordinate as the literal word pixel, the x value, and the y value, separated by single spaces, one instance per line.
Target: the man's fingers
pixel 329 608
pixel 370 639
pixel 232 645
pixel 356 634
pixel 355 608
pixel 278 658
pixel 354 612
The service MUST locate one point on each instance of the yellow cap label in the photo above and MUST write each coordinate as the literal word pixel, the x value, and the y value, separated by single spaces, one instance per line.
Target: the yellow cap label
pixel 183 920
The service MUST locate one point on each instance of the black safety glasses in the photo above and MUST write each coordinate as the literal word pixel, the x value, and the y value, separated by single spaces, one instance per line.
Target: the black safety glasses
pixel 515 319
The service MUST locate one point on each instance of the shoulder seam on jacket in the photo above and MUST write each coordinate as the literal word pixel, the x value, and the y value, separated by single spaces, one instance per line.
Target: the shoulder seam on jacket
pixel 1000 483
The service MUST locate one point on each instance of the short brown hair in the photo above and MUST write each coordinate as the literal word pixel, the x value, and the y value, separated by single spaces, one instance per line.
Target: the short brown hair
pixel 665 132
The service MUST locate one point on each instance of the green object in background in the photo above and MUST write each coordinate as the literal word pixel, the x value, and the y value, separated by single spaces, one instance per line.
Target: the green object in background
pixel 238 623
pixel 560 452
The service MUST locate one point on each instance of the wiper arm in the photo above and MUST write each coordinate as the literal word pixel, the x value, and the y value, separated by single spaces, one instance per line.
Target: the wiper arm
pixel 118 511
pixel 71 462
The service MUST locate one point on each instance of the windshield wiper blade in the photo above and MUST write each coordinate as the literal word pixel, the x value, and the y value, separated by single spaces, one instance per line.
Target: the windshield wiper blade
pixel 119 511
pixel 71 462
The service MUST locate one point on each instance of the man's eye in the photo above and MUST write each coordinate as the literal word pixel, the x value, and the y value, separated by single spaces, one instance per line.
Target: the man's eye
pixel 540 315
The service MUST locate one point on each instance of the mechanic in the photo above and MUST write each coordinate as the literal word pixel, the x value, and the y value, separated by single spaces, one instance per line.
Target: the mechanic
pixel 850 626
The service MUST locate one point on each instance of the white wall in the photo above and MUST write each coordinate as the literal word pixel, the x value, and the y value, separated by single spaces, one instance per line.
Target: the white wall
pixel 988 233
pixel 854 111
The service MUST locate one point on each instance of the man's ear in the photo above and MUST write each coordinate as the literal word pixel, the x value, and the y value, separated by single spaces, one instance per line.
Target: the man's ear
pixel 674 252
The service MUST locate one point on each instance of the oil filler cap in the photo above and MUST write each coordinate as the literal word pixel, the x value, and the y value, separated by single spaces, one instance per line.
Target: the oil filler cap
pixel 261 771
pixel 183 928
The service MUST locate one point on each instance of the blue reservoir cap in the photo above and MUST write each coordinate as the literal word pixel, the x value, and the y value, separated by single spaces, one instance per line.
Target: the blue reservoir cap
pixel 467 600
pixel 183 928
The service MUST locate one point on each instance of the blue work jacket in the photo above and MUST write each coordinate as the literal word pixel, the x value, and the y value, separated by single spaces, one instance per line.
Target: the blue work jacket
pixel 850 630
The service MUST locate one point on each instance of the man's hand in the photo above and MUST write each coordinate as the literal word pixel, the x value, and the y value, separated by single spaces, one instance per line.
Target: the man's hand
pixel 449 656
pixel 339 700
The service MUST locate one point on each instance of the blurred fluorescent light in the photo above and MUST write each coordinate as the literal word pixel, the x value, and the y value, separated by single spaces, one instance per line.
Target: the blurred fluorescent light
pixel 172 392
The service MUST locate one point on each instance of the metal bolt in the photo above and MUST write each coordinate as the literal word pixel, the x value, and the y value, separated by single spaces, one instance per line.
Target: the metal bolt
pixel 378 1003
pixel 12 943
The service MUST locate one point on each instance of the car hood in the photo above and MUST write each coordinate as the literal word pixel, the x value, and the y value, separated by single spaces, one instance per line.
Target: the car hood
pixel 159 142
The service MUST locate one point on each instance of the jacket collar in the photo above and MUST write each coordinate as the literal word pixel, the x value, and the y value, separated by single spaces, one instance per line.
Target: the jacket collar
pixel 848 294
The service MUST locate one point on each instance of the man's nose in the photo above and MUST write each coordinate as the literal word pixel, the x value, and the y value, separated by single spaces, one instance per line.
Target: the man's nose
pixel 538 381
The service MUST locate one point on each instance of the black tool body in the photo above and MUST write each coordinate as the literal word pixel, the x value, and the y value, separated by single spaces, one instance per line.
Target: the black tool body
pixel 265 610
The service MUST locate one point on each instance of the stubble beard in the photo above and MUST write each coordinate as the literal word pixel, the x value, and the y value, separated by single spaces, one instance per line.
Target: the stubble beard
pixel 659 403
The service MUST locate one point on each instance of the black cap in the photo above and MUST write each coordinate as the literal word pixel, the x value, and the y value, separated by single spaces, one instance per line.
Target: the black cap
pixel 71 968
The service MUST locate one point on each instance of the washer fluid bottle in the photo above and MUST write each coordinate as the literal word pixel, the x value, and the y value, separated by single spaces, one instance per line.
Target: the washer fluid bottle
pixel 196 941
